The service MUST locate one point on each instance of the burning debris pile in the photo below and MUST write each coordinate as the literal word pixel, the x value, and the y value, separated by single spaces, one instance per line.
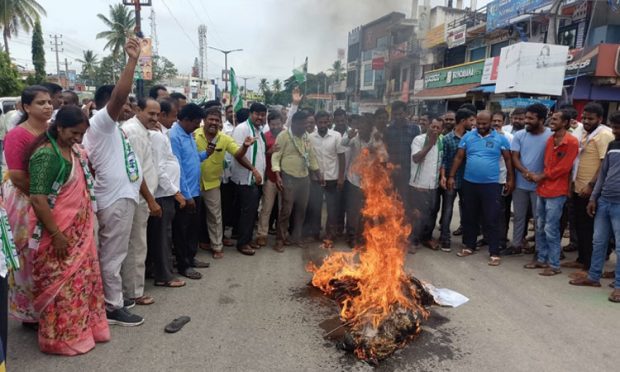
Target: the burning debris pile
pixel 380 305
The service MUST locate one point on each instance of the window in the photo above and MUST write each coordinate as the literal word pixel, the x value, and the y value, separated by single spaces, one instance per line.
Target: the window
pixel 367 55
pixel 383 42
pixel 477 54
pixel 496 49
pixel 368 75
pixel 568 37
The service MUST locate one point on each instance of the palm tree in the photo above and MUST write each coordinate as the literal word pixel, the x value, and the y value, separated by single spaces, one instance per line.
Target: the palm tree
pixel 121 22
pixel 337 71
pixel 89 64
pixel 277 85
pixel 16 15
pixel 263 86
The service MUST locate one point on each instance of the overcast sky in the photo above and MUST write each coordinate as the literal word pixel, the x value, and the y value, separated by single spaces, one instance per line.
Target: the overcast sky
pixel 275 35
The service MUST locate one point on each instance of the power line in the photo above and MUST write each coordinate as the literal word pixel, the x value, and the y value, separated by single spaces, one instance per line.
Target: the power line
pixel 179 24
pixel 211 21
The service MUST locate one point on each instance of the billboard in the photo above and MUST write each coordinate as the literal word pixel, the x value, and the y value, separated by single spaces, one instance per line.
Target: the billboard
pixel 500 12
pixel 489 74
pixel 467 73
pixel 146 58
pixel 456 36
pixel 533 68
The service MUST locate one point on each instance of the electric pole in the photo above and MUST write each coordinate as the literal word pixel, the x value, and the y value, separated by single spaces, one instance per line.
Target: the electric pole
pixel 66 74
pixel 245 86
pixel 226 53
pixel 56 49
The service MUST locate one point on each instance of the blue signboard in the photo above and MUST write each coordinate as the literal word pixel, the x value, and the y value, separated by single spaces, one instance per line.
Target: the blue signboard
pixel 512 103
pixel 500 12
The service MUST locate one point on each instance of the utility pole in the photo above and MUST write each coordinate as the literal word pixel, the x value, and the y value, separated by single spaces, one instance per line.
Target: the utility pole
pixel 56 49
pixel 154 41
pixel 66 74
pixel 245 86
pixel 226 53
pixel 138 4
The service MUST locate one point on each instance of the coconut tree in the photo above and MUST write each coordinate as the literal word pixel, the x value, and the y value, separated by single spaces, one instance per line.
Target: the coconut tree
pixel 89 63
pixel 16 15
pixel 277 85
pixel 263 86
pixel 337 71
pixel 121 21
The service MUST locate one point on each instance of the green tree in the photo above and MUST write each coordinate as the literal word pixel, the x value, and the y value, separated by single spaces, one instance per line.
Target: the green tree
pixel 277 85
pixel 10 83
pixel 16 15
pixel 337 71
pixel 38 53
pixel 105 72
pixel 89 65
pixel 263 86
pixel 163 69
pixel 120 23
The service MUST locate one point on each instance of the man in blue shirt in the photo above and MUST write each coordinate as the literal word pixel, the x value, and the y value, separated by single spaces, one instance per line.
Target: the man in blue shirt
pixel 483 149
pixel 186 224
pixel 528 157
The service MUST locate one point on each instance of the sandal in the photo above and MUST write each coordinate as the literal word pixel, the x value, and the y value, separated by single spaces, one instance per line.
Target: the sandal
pixel 431 244
pixel 176 325
pixel 584 282
pixel 494 261
pixel 615 296
pixel 535 265
pixel 174 283
pixel 191 274
pixel 550 272
pixel 609 275
pixel 465 252
pixel 144 300
pixel 217 255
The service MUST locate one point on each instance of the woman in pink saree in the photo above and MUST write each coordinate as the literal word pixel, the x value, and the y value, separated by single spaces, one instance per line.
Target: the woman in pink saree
pixel 37 106
pixel 68 292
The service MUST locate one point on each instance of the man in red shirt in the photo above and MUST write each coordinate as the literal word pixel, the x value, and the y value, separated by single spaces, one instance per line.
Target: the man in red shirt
pixel 270 191
pixel 552 190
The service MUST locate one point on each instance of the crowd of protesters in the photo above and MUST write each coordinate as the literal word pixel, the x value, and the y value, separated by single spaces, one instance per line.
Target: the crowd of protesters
pixel 102 196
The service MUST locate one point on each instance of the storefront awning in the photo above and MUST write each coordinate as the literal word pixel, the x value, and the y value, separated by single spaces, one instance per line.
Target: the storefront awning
pixel 484 89
pixel 437 94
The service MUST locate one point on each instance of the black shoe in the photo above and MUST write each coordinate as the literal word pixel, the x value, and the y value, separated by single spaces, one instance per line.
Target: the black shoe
pixel 128 303
pixel 570 247
pixel 511 251
pixel 446 247
pixel 458 231
pixel 123 318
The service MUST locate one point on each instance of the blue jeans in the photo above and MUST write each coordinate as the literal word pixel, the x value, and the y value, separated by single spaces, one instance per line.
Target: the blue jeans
pixel 548 238
pixel 606 221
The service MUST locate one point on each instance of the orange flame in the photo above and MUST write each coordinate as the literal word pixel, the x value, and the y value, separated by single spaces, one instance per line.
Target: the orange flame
pixel 379 266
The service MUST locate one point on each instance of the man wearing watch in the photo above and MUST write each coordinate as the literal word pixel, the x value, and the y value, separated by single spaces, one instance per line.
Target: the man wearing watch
pixel 592 150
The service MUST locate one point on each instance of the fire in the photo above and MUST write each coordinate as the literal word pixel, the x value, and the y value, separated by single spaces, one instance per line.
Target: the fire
pixel 381 287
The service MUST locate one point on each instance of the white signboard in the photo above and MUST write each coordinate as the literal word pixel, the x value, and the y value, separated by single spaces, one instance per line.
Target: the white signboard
pixel 456 36
pixel 533 68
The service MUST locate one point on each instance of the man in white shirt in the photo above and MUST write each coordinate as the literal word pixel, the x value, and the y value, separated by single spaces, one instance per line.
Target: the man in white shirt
pixel 426 156
pixel 118 177
pixel 137 131
pixel 248 182
pixel 330 155
pixel 159 229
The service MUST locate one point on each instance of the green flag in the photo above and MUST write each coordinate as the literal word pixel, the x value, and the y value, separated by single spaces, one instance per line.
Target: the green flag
pixel 235 96
pixel 300 72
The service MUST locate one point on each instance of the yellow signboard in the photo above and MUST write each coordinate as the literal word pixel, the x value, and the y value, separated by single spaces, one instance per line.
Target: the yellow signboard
pixel 435 36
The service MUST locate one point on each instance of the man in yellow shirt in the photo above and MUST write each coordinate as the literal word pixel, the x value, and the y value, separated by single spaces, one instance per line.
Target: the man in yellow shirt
pixel 209 138
pixel 292 164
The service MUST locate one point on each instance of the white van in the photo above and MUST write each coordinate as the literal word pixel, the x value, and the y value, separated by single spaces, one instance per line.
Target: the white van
pixel 8 103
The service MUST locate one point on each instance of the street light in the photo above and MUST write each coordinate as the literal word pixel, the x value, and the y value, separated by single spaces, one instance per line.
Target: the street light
pixel 245 85
pixel 226 52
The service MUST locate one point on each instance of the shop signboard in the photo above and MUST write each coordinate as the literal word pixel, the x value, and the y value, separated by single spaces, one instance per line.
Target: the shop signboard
pixel 435 36
pixel 510 104
pixel 581 61
pixel 501 12
pixel 378 60
pixel 489 74
pixel 456 36
pixel 533 68
pixel 467 73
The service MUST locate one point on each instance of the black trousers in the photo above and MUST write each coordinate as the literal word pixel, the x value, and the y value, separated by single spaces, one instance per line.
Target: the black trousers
pixel 185 233
pixel 249 198
pixel 585 230
pixel 227 191
pixel 314 210
pixel 159 240
pixel 505 218
pixel 482 200
pixel 355 203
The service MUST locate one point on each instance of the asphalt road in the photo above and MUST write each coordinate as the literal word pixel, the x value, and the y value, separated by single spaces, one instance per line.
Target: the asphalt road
pixel 257 314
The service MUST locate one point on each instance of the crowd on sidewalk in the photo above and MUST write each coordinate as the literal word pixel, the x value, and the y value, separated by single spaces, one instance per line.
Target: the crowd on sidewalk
pixel 102 196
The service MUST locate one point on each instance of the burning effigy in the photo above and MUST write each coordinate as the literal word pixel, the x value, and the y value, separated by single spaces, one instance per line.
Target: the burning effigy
pixel 381 306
